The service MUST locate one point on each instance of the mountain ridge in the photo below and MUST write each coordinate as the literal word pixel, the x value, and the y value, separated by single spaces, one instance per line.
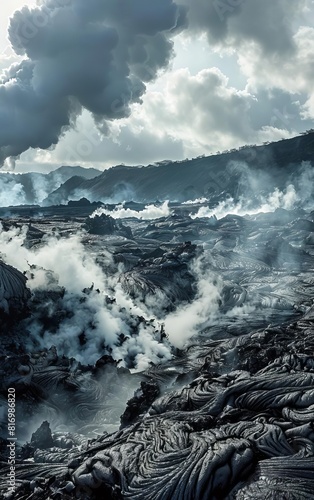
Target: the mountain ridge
pixel 188 179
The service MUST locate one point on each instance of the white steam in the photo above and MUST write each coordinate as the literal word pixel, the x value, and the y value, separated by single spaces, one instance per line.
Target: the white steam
pixel 150 212
pixel 297 194
pixel 64 262
pixel 190 318
pixel 43 186
pixel 195 202
pixel 286 199
pixel 11 193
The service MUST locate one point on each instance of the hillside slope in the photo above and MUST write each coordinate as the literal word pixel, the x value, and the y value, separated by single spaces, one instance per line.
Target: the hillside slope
pixel 272 163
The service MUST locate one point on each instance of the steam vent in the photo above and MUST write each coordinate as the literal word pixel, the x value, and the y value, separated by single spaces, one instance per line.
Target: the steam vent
pixel 13 290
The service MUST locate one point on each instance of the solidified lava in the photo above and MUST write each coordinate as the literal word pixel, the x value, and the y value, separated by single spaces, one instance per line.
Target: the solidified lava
pixel 230 415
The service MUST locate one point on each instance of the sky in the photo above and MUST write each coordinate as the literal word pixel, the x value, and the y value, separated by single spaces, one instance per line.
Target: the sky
pixel 103 82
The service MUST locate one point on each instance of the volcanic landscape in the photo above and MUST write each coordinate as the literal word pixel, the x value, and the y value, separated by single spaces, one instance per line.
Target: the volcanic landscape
pixel 157 325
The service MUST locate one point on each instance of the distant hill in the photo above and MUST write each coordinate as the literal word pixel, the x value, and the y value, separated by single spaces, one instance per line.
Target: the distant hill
pixel 69 171
pixel 32 187
pixel 270 164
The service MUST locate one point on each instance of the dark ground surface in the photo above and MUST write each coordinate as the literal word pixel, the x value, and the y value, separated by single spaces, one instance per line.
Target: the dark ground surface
pixel 230 415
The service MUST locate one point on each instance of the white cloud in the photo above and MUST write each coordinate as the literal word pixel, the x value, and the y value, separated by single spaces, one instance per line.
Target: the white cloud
pixel 204 113
pixel 201 110
pixel 84 145
pixel 293 73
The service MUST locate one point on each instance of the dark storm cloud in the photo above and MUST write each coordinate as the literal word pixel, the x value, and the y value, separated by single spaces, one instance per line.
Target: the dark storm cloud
pixel 96 54
pixel 268 23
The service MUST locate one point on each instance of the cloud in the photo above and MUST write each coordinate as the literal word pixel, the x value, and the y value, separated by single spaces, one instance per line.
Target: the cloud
pixel 231 23
pixel 85 145
pixel 192 107
pixel 221 116
pixel 205 113
pixel 104 55
pixel 96 55
pixel 292 73
pixel 273 43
